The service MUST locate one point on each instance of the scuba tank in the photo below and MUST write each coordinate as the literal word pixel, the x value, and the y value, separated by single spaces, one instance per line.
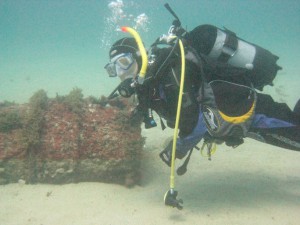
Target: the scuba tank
pixel 226 48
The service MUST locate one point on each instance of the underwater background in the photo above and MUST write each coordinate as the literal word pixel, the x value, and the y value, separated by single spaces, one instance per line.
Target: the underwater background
pixel 61 44
pixel 57 45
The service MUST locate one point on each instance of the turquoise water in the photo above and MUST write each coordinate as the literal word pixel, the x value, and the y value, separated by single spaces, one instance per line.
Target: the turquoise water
pixel 61 44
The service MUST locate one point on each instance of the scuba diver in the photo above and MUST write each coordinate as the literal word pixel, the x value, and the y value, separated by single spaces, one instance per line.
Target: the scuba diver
pixel 203 106
pixel 220 103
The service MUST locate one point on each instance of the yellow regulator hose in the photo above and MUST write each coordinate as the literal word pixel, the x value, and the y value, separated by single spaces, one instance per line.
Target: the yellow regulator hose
pixel 141 76
pixel 172 177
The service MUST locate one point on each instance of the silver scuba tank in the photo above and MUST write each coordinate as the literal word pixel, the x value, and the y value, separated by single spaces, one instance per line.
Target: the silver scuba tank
pixel 225 47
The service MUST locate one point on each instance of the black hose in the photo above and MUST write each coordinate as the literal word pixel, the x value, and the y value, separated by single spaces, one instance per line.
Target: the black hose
pixel 183 168
pixel 171 11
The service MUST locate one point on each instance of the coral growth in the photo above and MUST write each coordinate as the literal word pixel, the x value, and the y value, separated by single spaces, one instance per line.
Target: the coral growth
pixel 9 120
pixel 69 139
pixel 34 119
pixel 74 100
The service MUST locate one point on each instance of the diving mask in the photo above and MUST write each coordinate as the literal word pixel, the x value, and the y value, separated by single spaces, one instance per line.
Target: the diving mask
pixel 119 64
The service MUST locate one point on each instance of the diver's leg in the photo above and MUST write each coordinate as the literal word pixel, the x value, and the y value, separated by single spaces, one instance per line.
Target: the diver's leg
pixel 185 144
pixel 284 137
pixel 276 124
pixel 297 109
pixel 267 106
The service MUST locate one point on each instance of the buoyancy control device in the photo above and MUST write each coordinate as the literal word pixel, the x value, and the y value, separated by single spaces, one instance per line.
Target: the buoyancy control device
pixel 225 47
pixel 226 113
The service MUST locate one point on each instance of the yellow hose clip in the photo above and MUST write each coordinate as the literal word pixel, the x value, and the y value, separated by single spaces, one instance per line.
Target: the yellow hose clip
pixel 141 76
pixel 211 148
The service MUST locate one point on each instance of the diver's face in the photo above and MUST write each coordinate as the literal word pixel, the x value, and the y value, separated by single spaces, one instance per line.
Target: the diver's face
pixel 123 66
pixel 131 72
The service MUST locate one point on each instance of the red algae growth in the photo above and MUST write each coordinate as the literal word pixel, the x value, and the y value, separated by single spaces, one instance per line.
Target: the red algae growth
pixel 69 139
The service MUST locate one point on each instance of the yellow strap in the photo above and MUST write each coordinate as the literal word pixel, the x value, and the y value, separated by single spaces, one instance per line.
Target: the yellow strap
pixel 238 119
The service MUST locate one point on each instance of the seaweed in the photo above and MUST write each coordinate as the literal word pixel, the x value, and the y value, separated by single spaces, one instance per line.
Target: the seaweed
pixel 93 100
pixel 39 100
pixel 6 104
pixel 59 98
pixel 34 119
pixel 32 131
pixel 10 121
pixel 102 101
pixel 75 101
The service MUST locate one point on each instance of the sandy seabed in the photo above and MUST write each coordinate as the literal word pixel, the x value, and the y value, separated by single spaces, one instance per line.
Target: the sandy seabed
pixel 252 184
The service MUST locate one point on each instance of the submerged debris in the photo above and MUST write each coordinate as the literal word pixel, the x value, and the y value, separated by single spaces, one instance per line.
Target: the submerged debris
pixel 69 139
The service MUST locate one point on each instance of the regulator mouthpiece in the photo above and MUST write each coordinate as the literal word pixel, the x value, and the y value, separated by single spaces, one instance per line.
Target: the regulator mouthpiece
pixel 170 199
